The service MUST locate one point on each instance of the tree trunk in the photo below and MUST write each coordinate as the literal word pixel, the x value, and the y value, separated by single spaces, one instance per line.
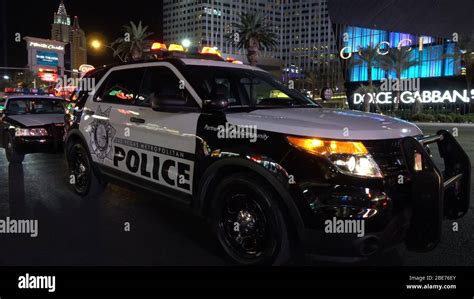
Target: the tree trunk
pixel 396 102
pixel 366 102
pixel 371 85
pixel 253 50
pixel 136 54
pixel 252 56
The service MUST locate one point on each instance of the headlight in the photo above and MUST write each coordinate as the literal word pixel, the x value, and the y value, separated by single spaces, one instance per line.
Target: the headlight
pixel 31 132
pixel 350 157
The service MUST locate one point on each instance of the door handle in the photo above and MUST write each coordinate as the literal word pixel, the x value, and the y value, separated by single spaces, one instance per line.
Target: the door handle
pixel 137 120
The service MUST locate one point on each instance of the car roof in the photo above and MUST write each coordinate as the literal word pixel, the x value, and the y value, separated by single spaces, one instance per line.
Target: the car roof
pixel 186 62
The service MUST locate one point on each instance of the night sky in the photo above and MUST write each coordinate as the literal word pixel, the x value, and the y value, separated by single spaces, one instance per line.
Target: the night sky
pixel 99 17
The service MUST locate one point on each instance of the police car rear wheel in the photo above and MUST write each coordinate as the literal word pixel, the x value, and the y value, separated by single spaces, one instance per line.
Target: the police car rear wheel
pixel 12 155
pixel 249 223
pixel 85 180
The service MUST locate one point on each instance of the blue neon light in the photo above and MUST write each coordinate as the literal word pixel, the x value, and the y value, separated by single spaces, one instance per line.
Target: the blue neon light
pixel 434 60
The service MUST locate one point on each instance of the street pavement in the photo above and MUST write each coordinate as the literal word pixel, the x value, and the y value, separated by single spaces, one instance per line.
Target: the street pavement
pixel 74 232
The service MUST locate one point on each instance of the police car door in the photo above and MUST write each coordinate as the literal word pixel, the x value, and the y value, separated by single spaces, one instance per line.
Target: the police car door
pixel 161 146
pixel 110 113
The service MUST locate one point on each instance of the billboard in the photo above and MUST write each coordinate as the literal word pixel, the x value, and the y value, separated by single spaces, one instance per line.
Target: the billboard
pixel 47 58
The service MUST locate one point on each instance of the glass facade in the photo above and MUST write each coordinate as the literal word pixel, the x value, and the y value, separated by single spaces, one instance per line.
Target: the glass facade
pixel 432 54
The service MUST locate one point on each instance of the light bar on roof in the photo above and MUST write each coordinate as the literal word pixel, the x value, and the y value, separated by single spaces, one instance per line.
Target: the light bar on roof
pixel 158 46
pixel 175 48
pixel 212 51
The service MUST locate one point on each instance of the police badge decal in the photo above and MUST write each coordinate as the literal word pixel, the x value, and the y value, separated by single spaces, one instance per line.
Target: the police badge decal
pixel 101 135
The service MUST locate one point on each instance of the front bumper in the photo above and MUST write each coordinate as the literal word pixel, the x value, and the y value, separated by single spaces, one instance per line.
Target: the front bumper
pixel 53 143
pixel 392 212
pixel 30 145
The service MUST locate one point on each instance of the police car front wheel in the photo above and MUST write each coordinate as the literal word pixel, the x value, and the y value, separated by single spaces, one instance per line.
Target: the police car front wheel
pixel 249 222
pixel 82 176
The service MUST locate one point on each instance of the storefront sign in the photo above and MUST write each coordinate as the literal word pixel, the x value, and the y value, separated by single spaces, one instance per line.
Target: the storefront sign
pixel 425 97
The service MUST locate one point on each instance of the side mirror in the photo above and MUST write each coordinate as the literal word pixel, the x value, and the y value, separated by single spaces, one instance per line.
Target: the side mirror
pixel 215 105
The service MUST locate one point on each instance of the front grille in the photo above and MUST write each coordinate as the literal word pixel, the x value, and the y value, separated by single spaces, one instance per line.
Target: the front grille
pixel 388 155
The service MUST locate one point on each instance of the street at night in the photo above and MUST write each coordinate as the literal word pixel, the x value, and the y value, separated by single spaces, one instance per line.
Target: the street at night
pixel 236 147
pixel 77 233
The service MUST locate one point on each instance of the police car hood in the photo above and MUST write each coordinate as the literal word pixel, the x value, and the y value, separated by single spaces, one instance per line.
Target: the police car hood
pixel 36 120
pixel 326 123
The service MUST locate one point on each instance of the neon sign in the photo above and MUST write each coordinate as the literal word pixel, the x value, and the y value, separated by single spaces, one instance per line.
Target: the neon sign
pixel 46 46
pixel 425 97
pixel 380 51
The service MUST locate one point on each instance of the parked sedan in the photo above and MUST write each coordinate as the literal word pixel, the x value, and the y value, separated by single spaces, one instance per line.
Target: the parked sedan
pixel 31 124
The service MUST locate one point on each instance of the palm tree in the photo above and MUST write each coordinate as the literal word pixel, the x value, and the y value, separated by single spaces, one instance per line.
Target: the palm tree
pixel 253 33
pixel 368 55
pixel 398 60
pixel 131 46
pixel 366 90
pixel 465 53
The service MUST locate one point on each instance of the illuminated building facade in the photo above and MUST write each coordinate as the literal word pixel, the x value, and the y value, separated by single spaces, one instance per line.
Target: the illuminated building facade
pixel 68 32
pixel 306 41
pixel 45 57
pixel 61 27
pixel 78 46
pixel 430 30
pixel 434 56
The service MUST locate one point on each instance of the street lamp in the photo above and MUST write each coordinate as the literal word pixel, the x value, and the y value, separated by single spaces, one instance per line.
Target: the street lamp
pixel 6 77
pixel 96 44
pixel 186 43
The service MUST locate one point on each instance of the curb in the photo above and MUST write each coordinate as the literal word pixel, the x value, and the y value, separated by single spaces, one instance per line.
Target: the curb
pixel 445 125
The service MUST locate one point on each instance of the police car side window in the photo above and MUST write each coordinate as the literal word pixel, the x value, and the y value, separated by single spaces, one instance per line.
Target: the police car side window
pixel 121 87
pixel 162 81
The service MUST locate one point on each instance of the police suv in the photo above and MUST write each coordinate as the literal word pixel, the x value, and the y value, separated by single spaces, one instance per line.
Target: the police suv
pixel 266 165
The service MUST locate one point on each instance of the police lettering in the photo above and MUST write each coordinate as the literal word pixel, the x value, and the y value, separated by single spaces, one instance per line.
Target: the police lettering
pixel 136 162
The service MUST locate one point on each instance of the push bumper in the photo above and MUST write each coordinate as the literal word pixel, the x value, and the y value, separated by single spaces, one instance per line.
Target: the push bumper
pixel 437 194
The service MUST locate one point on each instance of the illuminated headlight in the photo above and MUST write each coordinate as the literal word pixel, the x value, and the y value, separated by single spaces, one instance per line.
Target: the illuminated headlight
pixel 38 132
pixel 356 165
pixel 348 156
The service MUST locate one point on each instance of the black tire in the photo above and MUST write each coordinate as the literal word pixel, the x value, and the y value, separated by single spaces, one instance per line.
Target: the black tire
pixel 249 221
pixel 83 178
pixel 12 155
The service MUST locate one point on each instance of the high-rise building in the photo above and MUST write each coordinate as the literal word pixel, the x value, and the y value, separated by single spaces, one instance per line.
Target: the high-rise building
pixel 61 27
pixel 62 30
pixel 306 40
pixel 78 45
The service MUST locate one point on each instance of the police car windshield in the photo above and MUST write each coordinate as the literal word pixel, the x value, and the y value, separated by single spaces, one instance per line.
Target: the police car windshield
pixel 244 88
pixel 35 106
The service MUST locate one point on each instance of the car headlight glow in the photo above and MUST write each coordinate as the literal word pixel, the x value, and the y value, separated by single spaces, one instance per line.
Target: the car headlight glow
pixel 348 156
pixel 36 132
